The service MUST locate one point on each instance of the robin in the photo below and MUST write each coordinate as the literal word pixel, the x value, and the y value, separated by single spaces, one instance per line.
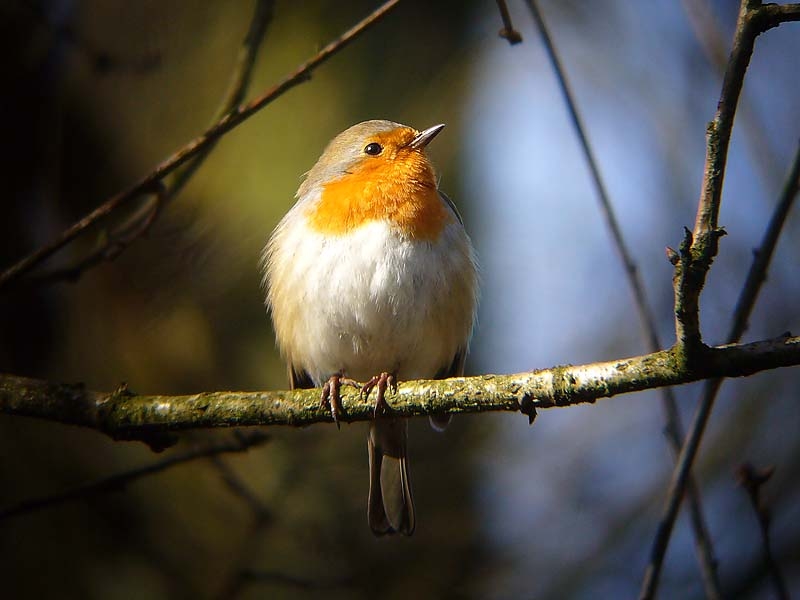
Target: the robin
pixel 371 277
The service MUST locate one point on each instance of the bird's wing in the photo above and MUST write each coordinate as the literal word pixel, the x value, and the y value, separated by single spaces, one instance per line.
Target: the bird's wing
pixel 456 366
pixel 299 379
pixel 452 206
pixel 454 369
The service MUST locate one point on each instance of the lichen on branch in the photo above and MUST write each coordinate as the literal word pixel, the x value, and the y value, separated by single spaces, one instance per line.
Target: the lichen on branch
pixel 122 414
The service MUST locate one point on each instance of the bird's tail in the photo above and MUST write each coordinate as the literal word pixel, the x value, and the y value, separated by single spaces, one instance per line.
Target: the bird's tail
pixel 390 508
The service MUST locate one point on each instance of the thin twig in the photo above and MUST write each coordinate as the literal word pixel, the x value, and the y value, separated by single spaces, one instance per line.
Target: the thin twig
pixel 697 255
pixel 196 146
pixel 752 480
pixel 754 19
pixel 755 278
pixel 757 274
pixel 508 32
pixel 240 489
pixel 136 225
pixel 707 32
pixel 606 206
pixel 238 443
pixel 237 88
pixel 700 246
pixel 674 427
pixel 114 242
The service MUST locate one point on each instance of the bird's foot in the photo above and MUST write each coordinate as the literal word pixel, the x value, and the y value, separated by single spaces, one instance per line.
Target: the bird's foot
pixel 331 394
pixel 382 382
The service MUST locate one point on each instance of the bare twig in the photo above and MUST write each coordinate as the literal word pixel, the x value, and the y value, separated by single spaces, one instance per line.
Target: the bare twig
pixel 238 443
pixel 751 480
pixel 237 89
pixel 762 256
pixel 699 250
pixel 707 32
pixel 124 415
pixel 195 147
pixel 138 224
pixel 702 245
pixel 606 206
pixel 240 489
pixel 112 244
pixel 674 428
pixel 508 32
pixel 755 277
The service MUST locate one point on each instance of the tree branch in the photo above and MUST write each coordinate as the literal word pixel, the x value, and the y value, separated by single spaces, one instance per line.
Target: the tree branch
pixel 125 415
pixel 194 147
pixel 752 480
pixel 674 427
pixel 701 246
pixel 113 243
pixel 238 443
pixel 755 278
pixel 699 249
pixel 507 32
pixel 709 35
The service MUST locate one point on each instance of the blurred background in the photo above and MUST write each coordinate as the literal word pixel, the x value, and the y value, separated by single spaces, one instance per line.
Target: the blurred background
pixel 97 92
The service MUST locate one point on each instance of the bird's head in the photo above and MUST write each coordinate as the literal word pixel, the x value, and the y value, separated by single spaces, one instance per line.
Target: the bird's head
pixel 374 150
pixel 376 170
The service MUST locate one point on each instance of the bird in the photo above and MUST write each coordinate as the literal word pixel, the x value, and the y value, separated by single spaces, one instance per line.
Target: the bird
pixel 371 277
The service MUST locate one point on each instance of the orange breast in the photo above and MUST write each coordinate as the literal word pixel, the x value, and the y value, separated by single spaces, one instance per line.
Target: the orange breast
pixel 400 189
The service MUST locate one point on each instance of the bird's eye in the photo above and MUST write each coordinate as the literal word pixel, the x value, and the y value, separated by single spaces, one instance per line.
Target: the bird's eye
pixel 373 149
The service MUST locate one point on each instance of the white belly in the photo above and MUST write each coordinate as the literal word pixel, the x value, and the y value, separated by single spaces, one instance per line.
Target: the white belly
pixel 371 300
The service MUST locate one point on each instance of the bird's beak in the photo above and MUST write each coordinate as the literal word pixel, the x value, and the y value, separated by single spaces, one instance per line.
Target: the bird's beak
pixel 424 137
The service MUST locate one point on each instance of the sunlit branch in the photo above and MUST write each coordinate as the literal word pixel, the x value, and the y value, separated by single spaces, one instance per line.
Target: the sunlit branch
pixel 125 415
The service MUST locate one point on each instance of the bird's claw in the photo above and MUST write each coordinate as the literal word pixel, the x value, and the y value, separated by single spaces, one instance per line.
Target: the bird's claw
pixel 331 395
pixel 382 382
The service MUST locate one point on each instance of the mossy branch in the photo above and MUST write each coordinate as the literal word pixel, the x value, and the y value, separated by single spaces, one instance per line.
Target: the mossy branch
pixel 123 414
